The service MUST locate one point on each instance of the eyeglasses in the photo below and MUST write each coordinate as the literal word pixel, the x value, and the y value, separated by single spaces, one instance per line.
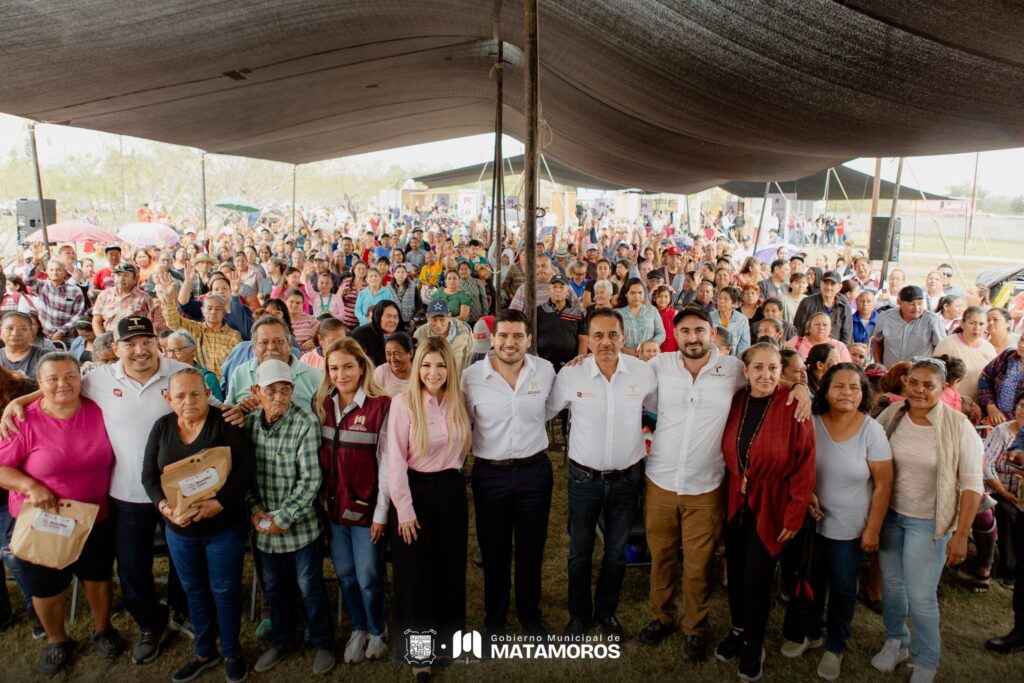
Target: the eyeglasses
pixel 178 351
pixel 945 274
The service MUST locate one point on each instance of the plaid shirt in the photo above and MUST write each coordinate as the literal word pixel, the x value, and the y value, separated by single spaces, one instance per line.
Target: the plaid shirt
pixel 59 308
pixel 996 444
pixel 113 306
pixel 287 477
pixel 212 346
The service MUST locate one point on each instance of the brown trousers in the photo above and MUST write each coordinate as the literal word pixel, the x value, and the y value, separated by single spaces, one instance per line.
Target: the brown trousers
pixel 693 524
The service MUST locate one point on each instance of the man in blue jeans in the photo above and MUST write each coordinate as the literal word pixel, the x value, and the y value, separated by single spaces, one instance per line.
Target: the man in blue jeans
pixel 605 395
pixel 285 439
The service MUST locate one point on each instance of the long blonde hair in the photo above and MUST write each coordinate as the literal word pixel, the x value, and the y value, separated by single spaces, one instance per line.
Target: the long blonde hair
pixel 458 419
pixel 367 383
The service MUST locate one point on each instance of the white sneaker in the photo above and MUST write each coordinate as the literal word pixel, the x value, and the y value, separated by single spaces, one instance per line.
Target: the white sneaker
pixel 793 649
pixel 921 675
pixel 890 656
pixel 830 666
pixel 355 650
pixel 377 648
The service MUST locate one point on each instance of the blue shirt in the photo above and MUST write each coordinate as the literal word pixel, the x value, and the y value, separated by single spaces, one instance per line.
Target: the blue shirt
pixel 862 331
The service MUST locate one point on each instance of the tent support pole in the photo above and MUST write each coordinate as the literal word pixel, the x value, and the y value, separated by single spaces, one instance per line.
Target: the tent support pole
pixel 970 209
pixel 202 176
pixel 876 186
pixel 294 173
pixel 39 189
pixel 760 221
pixel 497 176
pixel 530 100
pixel 887 253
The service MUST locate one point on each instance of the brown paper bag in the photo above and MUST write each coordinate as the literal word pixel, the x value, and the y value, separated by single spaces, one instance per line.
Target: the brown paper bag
pixel 53 539
pixel 196 478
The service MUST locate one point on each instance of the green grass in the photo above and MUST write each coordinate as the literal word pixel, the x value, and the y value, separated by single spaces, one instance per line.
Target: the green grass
pixel 967 621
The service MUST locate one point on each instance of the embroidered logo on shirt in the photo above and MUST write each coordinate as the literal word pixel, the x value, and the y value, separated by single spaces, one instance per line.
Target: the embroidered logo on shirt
pixel 118 393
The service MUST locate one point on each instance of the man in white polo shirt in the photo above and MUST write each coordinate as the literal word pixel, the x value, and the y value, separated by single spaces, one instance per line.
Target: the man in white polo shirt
pixel 605 395
pixel 512 481
pixel 683 502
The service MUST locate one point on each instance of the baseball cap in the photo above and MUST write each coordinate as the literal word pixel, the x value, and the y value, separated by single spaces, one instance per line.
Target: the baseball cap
pixel 134 326
pixel 673 251
pixel 622 243
pixel 203 258
pixel 320 256
pixel 558 279
pixel 833 276
pixel 438 307
pixel 695 311
pixel 655 275
pixel 591 246
pixel 482 334
pixel 189 230
pixel 113 246
pixel 561 252
pixel 911 293
pixel 125 268
pixel 272 371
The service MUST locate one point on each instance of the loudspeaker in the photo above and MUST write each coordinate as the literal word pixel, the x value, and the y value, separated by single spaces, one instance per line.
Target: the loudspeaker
pixel 31 219
pixel 876 247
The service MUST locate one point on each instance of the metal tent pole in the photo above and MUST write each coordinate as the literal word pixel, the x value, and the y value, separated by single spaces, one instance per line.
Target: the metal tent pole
pixel 294 167
pixel 39 188
pixel 497 180
pixel 974 197
pixel 202 173
pixel 760 221
pixel 530 100
pixel 887 253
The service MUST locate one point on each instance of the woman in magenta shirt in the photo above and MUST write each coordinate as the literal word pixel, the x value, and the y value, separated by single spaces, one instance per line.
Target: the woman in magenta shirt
pixel 62 451
pixel 428 436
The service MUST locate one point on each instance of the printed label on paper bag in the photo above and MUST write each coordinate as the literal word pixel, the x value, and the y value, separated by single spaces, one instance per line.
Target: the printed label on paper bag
pixel 198 483
pixel 53 524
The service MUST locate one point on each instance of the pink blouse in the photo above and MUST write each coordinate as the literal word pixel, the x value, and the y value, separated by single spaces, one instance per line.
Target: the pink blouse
pixel 443 454
pixel 803 346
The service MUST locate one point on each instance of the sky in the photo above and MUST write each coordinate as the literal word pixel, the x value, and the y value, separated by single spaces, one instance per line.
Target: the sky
pixel 1000 172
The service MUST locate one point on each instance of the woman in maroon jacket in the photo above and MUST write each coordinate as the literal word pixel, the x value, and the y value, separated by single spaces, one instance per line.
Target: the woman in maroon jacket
pixel 769 459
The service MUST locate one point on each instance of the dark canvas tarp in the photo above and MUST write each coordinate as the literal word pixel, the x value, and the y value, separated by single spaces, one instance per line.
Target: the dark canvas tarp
pixel 856 184
pixel 667 95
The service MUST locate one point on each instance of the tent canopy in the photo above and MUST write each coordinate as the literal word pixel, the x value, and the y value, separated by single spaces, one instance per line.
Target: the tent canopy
pixel 856 184
pixel 668 95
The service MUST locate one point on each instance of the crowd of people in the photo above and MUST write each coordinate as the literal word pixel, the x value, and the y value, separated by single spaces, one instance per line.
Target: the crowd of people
pixel 814 419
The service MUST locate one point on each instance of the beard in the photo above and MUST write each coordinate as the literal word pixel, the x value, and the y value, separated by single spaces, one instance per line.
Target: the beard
pixel 695 352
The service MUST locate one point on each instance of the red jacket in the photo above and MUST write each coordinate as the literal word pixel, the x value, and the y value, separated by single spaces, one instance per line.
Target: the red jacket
pixel 780 477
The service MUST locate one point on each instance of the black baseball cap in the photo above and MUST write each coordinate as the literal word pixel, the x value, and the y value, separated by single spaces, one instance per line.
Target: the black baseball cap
pixel 911 293
pixel 558 279
pixel 113 246
pixel 833 276
pixel 695 311
pixel 134 326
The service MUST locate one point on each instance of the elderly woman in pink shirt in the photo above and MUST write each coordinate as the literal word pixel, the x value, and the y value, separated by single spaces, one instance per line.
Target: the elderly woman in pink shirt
pixel 429 435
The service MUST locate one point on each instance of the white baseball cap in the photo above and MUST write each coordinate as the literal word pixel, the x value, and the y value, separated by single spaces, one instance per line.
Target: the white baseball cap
pixel 272 371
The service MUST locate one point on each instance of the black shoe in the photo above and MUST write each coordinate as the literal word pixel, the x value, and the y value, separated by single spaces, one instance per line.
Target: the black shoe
pixel 38 632
pixel 193 668
pixel 694 649
pixel 873 605
pixel 108 643
pixel 149 646
pixel 655 632
pixel 235 670
pixel 56 657
pixel 751 663
pixel 729 648
pixel 576 627
pixel 612 629
pixel 1011 642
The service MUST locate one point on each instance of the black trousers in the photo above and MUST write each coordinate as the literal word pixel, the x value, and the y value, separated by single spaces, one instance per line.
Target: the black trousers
pixel 1018 587
pixel 751 570
pixel 430 573
pixel 512 503
pixel 1007 543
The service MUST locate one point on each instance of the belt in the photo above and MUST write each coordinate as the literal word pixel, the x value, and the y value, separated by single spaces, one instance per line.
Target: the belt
pixel 607 475
pixel 516 462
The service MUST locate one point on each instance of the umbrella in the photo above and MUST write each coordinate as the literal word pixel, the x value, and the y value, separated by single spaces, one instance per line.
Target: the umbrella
pixel 237 204
pixel 767 254
pixel 73 231
pixel 148 234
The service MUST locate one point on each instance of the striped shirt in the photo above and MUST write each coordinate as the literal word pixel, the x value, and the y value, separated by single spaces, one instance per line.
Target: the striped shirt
pixel 997 443
pixel 287 477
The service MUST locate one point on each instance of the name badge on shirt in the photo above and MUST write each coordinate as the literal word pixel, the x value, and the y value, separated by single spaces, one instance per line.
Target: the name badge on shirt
pixel 534 389
pixel 584 394
pixel 118 393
